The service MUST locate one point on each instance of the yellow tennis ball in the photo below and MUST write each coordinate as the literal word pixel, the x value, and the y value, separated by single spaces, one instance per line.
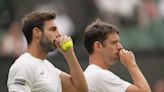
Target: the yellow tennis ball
pixel 67 45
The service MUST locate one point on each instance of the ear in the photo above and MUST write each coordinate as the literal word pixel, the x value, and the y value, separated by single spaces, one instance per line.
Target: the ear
pixel 36 33
pixel 97 46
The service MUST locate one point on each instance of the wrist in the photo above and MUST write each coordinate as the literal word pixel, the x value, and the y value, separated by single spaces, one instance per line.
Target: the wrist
pixel 68 53
pixel 133 65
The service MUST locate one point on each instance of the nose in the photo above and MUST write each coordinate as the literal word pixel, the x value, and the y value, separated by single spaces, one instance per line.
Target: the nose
pixel 119 47
pixel 58 35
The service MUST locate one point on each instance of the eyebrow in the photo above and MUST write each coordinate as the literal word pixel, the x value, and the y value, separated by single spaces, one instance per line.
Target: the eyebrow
pixel 114 41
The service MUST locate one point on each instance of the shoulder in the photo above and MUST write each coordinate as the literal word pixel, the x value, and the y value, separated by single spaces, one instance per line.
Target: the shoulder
pixel 98 79
pixel 48 63
pixel 24 62
pixel 93 70
pixel 24 65
pixel 51 66
pixel 24 68
pixel 97 76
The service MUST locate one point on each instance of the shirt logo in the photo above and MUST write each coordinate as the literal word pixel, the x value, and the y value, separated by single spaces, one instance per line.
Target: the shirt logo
pixel 19 82
pixel 42 72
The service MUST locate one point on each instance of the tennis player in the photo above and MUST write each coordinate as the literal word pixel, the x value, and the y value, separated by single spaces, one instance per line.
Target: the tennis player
pixel 103 45
pixel 31 72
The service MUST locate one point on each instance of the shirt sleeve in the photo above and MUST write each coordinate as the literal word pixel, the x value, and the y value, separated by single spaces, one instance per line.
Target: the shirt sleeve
pixel 110 83
pixel 19 79
pixel 58 71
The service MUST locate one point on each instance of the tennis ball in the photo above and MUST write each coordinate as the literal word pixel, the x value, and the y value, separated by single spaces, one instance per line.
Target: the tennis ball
pixel 67 45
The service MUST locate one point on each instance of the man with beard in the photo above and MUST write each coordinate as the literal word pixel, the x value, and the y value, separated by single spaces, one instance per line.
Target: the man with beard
pixel 103 45
pixel 31 72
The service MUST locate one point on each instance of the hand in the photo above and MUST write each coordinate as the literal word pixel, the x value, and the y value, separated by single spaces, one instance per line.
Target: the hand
pixel 127 58
pixel 60 40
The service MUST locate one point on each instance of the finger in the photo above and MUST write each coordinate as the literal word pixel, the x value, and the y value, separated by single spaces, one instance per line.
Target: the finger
pixel 130 52
pixel 64 38
pixel 58 40
pixel 121 51
pixel 126 51
pixel 69 38
pixel 61 40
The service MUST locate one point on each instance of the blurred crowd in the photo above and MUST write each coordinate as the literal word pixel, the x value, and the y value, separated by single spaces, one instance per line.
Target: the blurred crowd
pixel 131 12
pixel 122 13
pixel 13 43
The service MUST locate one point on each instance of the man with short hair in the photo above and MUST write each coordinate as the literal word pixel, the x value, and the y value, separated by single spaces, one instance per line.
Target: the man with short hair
pixel 103 45
pixel 31 72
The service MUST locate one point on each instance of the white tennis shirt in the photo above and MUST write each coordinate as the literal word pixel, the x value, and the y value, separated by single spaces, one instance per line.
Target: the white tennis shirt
pixel 101 80
pixel 30 74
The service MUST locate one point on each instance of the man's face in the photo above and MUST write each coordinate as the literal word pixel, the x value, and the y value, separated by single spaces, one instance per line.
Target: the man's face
pixel 111 48
pixel 49 35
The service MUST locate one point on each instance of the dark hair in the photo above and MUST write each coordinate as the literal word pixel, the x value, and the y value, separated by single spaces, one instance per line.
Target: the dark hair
pixel 97 31
pixel 35 19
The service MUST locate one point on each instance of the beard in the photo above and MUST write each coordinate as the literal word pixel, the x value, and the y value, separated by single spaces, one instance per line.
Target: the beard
pixel 46 44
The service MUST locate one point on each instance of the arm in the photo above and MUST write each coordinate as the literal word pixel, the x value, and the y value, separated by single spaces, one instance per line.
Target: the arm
pixel 140 84
pixel 75 82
